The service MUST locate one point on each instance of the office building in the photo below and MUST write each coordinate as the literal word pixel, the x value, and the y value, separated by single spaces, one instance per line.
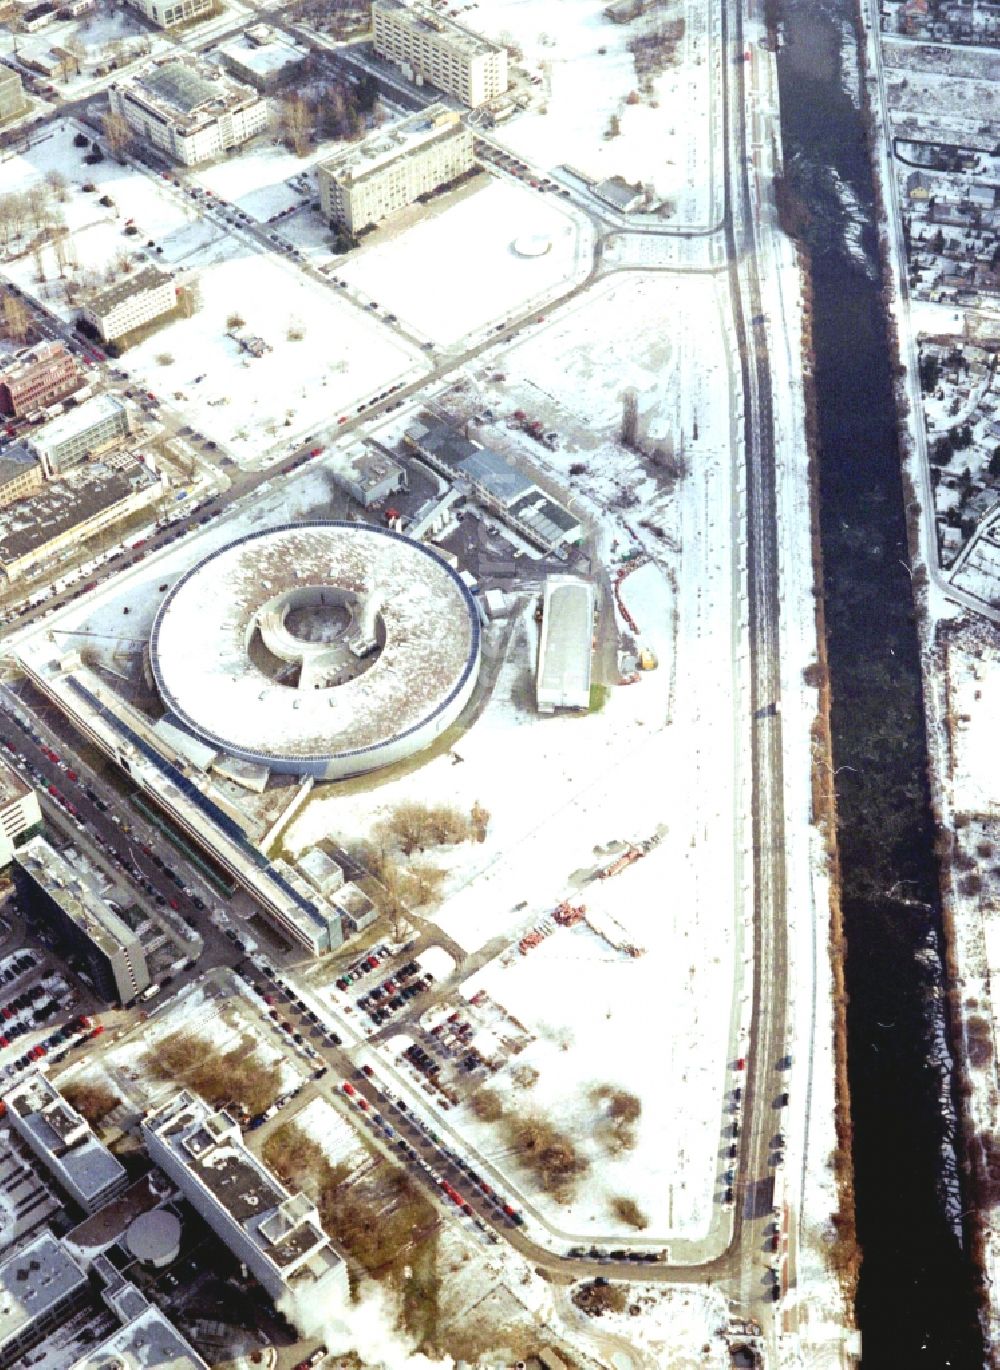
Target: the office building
pixel 40 1287
pixel 167 14
pixel 368 181
pixel 53 894
pixel 189 110
pixel 440 52
pixel 20 816
pixel 37 377
pixel 275 1234
pixel 84 431
pixel 263 58
pixel 21 473
pixel 131 303
pixel 12 101
pixel 66 512
pixel 64 1142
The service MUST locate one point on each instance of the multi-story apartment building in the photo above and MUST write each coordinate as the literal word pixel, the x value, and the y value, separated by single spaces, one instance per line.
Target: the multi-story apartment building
pixel 131 303
pixel 393 166
pixel 92 427
pixel 275 1234
pixel 40 1286
pixel 20 473
pixel 188 110
pixel 168 13
pixel 20 816
pixel 55 895
pixel 37 377
pixel 64 1142
pixel 12 101
pixel 442 53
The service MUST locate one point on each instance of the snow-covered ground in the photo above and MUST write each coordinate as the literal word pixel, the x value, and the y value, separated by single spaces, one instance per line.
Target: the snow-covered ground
pixel 472 245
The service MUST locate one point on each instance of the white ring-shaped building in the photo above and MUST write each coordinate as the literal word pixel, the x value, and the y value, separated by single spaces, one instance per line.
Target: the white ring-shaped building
pixel 322 649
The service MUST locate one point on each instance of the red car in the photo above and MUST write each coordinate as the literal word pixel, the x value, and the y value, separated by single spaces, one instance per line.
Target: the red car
pixel 173 904
pixel 347 1087
pixel 98 1030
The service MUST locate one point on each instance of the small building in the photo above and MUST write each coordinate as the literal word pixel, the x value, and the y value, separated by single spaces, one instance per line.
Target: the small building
pixel 12 101
pixel 358 910
pixel 37 377
pixel 21 473
pixel 367 473
pixel 65 512
pixel 89 429
pixel 188 109
pixel 429 48
pixel 20 816
pixel 37 17
pixel 57 897
pixel 620 194
pixel 918 186
pixel 327 912
pixel 277 1235
pixel 263 58
pixel 321 871
pixel 394 166
pixel 130 303
pixel 40 1287
pixel 565 646
pixel 166 14
pixel 64 1142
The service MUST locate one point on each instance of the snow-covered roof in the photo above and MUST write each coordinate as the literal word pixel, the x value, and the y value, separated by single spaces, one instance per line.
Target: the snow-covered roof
pixel 221 642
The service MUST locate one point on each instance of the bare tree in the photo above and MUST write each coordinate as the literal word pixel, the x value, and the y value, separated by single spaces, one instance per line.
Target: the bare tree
pixel 57 183
pixel 297 121
pixel 16 318
pixel 117 135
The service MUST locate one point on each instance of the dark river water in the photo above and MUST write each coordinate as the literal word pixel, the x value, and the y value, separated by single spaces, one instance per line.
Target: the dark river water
pixel 916 1304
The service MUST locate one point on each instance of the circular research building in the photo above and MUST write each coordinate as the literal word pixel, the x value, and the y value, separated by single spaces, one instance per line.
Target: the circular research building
pixel 322 649
pixel 154 1238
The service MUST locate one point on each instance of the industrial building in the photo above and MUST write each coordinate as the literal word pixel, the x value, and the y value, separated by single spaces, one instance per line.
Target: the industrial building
pixel 189 110
pixel 322 649
pixel 393 166
pixel 428 48
pixel 130 304
pixel 56 896
pixel 263 58
pixel 12 101
pixel 565 647
pixel 497 485
pixel 366 473
pixel 62 1139
pixel 277 1235
pixel 37 377
pixel 95 426
pixel 40 1287
pixel 20 816
pixel 168 13
pixel 66 512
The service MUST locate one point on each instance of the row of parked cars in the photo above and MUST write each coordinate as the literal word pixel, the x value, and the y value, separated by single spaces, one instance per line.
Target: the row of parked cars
pixel 402 986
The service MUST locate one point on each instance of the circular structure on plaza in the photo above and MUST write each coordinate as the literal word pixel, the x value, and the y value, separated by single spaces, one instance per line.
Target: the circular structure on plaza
pixel 322 649
pixel 154 1238
pixel 532 245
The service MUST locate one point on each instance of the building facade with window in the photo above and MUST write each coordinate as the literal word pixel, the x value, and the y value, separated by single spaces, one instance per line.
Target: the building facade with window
pixel 393 167
pixel 166 14
pixel 439 52
pixel 131 303
pixel 37 377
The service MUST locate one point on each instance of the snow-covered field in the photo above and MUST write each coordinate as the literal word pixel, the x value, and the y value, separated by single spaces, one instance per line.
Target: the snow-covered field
pixel 588 75
pixel 471 245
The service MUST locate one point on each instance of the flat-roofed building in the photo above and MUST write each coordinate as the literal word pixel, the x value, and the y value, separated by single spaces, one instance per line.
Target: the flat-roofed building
pixel 277 1235
pixel 54 894
pixel 566 645
pixel 168 13
pixel 65 512
pixel 189 110
pixel 40 1286
pixel 263 58
pixel 12 101
pixel 393 166
pixel 20 816
pixel 21 473
pixel 25 1198
pixel 368 474
pixel 146 1342
pixel 37 377
pixel 130 303
pixel 87 430
pixel 64 1142
pixel 440 52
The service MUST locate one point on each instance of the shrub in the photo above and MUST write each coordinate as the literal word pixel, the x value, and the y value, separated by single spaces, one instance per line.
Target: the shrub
pixel 628 1211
